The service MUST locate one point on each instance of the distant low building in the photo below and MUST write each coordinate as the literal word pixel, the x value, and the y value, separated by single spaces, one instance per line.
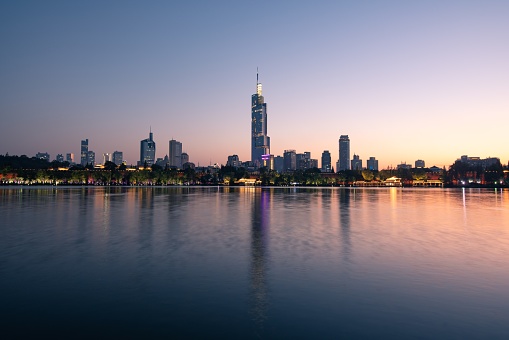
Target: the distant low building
pixel 372 164
pixel 234 161
pixel 356 162
pixel 188 165
pixel 404 166
pixel 43 155
pixel 478 162
pixel 69 158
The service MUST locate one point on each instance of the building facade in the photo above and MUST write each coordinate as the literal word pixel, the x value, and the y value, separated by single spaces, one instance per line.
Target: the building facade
pixel 260 141
pixel 344 153
pixel 175 154
pixel 420 163
pixel 147 151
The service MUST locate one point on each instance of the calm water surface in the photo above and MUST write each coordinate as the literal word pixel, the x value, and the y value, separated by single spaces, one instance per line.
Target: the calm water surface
pixel 254 262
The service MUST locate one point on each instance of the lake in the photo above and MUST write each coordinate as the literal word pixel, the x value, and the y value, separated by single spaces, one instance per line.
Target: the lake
pixel 251 262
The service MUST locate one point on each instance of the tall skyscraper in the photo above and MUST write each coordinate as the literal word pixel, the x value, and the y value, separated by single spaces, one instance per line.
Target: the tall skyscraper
pixel 260 142
pixel 344 153
pixel 175 154
pixel 326 161
pixel 84 151
pixel 147 151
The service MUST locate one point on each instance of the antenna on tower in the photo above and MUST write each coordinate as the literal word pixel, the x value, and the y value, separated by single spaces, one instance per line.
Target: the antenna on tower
pixel 257 74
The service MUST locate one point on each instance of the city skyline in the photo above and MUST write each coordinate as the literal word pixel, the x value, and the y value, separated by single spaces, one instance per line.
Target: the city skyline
pixel 405 81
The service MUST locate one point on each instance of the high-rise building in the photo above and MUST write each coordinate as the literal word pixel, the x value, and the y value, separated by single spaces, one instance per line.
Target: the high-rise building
pixel 372 164
pixel 234 161
pixel 91 158
pixel 106 158
pixel 147 151
pixel 279 164
pixel 59 158
pixel 326 161
pixel 260 142
pixel 419 163
pixel 117 157
pixel 184 158
pixel 356 162
pixel 175 154
pixel 344 153
pixel 268 162
pixel 69 158
pixel 84 151
pixel 290 160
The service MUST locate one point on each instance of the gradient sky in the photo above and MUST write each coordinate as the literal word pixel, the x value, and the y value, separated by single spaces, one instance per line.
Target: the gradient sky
pixel 405 80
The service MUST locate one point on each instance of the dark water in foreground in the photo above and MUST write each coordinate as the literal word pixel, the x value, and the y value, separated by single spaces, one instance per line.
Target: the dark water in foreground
pixel 254 263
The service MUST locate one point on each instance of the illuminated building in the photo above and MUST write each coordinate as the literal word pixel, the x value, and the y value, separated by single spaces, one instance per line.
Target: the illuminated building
pixel 268 161
pixel 147 151
pixel 260 142
pixel 344 153
pixel 175 157
pixel 91 158
pixel 84 152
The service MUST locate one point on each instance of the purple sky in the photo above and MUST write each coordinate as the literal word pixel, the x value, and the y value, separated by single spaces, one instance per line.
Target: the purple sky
pixel 405 80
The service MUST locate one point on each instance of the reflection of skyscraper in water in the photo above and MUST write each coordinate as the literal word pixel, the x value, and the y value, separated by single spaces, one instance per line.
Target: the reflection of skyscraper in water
pixel 259 255
pixel 344 220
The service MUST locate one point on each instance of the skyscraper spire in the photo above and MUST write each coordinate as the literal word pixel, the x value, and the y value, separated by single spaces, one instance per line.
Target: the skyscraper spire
pixel 258 85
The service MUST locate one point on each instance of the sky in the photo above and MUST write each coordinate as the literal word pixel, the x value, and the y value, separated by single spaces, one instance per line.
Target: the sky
pixel 406 80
